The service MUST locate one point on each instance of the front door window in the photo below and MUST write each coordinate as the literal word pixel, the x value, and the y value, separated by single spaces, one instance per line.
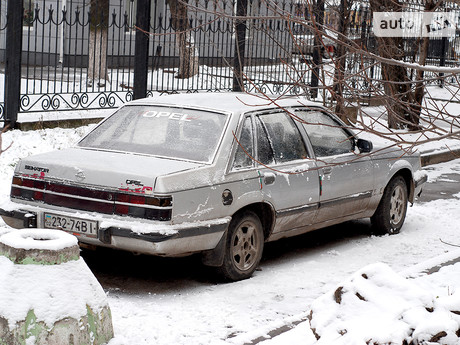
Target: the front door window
pixel 326 136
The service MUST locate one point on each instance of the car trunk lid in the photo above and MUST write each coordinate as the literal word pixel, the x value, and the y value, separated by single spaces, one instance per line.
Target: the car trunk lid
pixel 113 170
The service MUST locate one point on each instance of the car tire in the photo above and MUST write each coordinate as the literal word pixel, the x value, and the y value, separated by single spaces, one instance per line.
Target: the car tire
pixel 391 212
pixel 243 247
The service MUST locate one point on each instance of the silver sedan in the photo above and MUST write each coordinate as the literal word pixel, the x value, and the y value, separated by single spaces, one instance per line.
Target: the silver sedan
pixel 217 174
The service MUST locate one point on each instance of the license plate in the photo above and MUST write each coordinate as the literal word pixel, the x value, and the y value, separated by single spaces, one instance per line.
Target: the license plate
pixel 77 226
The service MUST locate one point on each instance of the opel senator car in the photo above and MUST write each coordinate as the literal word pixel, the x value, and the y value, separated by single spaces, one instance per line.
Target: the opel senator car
pixel 216 174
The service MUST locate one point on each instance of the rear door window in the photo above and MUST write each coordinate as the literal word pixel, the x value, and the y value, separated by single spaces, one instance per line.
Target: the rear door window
pixel 278 139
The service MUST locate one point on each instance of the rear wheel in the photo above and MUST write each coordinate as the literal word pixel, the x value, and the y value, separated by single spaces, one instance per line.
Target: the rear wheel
pixel 391 212
pixel 244 246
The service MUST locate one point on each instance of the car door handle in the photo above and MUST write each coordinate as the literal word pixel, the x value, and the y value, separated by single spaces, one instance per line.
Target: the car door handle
pixel 269 178
pixel 327 170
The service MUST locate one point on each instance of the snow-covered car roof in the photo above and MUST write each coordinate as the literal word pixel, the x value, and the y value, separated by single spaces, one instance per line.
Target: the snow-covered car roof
pixel 234 102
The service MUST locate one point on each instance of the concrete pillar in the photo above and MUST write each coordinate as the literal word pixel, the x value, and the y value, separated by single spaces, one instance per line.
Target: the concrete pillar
pixel 48 295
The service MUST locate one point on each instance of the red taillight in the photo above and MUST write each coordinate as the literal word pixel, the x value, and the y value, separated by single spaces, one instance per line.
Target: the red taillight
pixel 15 191
pixel 131 205
pixel 38 196
pixel 28 183
pixel 127 210
pixel 123 197
pixel 131 198
pixel 121 209
pixel 88 199
pixel 17 181
pixel 137 199
pixel 26 188
pixel 159 201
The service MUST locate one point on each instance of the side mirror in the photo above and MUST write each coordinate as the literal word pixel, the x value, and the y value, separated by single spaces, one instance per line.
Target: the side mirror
pixel 364 146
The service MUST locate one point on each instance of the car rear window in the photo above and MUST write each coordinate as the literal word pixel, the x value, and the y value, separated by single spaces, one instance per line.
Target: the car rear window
pixel 187 134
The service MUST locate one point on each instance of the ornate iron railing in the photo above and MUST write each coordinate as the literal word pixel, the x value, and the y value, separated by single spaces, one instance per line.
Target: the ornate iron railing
pixel 56 55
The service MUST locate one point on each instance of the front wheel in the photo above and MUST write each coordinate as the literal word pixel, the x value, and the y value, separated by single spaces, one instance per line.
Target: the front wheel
pixel 243 248
pixel 391 212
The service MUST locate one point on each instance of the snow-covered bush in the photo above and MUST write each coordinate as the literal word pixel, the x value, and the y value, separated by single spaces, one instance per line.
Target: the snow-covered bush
pixel 377 306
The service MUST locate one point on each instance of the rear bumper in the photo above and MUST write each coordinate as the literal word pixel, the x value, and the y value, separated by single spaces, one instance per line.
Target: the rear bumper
pixel 19 219
pixel 156 238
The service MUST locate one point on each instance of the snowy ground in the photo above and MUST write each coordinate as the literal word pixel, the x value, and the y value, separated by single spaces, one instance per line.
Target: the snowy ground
pixel 282 291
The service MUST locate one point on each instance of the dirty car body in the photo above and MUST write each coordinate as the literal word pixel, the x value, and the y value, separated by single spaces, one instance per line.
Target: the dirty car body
pixel 212 174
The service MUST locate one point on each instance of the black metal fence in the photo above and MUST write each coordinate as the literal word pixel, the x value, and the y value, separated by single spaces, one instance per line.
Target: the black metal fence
pixel 56 51
pixel 50 56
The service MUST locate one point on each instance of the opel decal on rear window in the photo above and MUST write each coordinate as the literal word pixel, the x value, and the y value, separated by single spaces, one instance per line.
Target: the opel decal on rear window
pixel 170 115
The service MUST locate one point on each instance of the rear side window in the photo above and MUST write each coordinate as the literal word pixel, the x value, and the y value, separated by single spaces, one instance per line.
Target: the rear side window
pixel 326 135
pixel 245 149
pixel 278 139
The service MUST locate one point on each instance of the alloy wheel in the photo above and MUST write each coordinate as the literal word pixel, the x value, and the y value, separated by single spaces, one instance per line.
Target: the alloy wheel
pixel 397 205
pixel 245 246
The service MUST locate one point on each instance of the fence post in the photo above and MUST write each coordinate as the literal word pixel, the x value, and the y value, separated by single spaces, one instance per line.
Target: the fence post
pixel 240 44
pixel 13 50
pixel 319 18
pixel 141 56
pixel 442 60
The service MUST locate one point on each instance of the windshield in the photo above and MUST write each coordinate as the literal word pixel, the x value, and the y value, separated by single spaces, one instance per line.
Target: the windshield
pixel 160 131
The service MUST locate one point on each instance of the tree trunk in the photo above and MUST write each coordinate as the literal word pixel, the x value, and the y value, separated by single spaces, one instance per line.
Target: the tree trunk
pixel 420 85
pixel 98 38
pixel 397 87
pixel 339 73
pixel 400 101
pixel 318 49
pixel 188 53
